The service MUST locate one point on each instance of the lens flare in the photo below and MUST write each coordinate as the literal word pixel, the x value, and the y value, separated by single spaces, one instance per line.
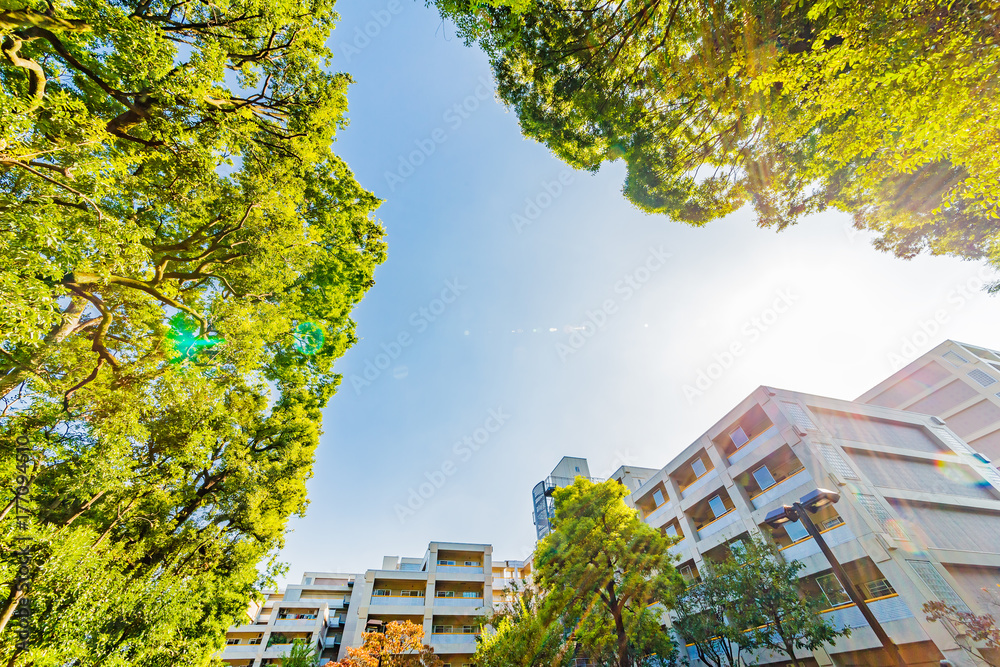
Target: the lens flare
pixel 309 338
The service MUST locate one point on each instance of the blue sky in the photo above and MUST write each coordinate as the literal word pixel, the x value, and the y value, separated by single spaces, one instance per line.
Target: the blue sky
pixel 527 311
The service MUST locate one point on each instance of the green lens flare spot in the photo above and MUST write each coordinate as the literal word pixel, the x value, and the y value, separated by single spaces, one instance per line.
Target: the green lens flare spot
pixel 309 338
pixel 186 341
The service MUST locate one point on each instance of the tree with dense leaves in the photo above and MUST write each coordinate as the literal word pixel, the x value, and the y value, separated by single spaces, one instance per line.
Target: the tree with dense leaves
pixel 885 110
pixel 401 645
pixel 769 604
pixel 601 569
pixel 181 250
pixel 521 633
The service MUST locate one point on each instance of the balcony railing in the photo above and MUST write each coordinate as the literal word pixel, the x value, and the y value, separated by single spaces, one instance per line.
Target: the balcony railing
pixel 885 609
pixel 453 638
pixel 295 622
pixel 240 651
pixel 459 602
pixel 712 527
pixel 463 569
pixel 807 545
pixel 710 475
pixel 751 445
pixel 398 600
pixel 778 489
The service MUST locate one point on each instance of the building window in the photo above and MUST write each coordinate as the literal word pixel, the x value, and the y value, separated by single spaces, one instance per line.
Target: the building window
pixel 412 594
pixel 381 593
pixel 469 594
pixel 879 588
pixel 831 523
pixel 472 563
pixel 442 629
pixel 446 562
pixel 254 640
pixel 671 531
pixel 232 641
pixel 468 629
pixel 577 468
pixel 688 574
pixel 832 589
pixel 955 359
pixel 795 531
pixel 941 588
pixel 658 497
pixel 699 467
pixel 765 479
pixel 739 437
pixel 445 594
pixel 984 379
pixel 718 506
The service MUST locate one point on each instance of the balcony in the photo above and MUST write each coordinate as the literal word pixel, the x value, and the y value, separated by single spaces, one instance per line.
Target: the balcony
pixel 665 510
pixel 679 548
pixel 753 444
pixel 710 476
pixel 236 651
pixel 398 600
pixel 777 490
pixel 461 569
pixel 458 602
pixel 295 622
pixel 885 609
pixel 724 521
pixel 807 546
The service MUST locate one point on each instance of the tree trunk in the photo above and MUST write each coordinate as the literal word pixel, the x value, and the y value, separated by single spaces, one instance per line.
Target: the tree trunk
pixel 7 612
pixel 623 660
pixel 790 650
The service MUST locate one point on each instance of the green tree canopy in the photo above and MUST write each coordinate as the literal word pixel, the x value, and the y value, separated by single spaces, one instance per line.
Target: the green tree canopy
pixel 885 110
pixel 601 568
pixel 770 605
pixel 522 634
pixel 181 252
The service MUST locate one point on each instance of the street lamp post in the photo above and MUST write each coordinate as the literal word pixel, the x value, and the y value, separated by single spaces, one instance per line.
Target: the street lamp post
pixel 800 511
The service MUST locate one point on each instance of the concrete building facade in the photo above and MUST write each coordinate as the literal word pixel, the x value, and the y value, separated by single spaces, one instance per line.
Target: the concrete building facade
pixel 956 382
pixel 918 519
pixel 316 610
pixel 447 591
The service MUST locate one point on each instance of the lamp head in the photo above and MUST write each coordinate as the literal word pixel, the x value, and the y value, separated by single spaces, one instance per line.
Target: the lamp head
pixel 814 500
pixel 781 515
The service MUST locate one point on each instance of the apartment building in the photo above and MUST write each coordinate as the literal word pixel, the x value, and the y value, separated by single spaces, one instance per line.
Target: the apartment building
pixel 315 611
pixel 448 591
pixel 568 469
pixel 956 382
pixel 543 506
pixel 918 518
